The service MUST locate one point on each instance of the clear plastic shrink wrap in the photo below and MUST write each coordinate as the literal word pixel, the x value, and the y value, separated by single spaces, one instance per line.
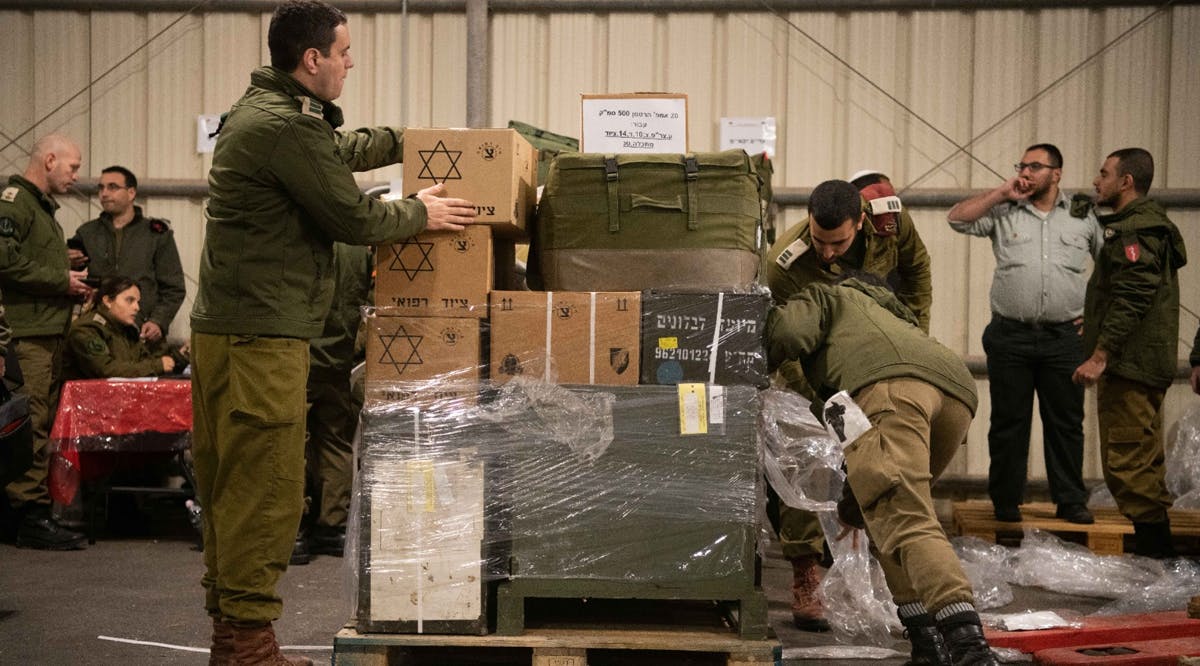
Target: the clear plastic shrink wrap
pixel 804 466
pixel 546 488
pixel 1183 462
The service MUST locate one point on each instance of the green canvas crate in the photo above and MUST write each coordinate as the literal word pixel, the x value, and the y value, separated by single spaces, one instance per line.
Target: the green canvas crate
pixel 649 221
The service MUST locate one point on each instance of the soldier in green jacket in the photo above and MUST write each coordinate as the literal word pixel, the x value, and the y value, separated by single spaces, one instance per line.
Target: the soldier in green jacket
pixel 40 290
pixel 918 399
pixel 842 233
pixel 122 241
pixel 886 245
pixel 282 191
pixel 1131 331
pixel 106 342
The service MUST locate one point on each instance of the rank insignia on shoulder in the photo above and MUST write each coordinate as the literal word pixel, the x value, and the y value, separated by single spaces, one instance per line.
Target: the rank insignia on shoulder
pixel 97 317
pixel 159 226
pixel 311 107
pixel 10 194
pixel 8 228
pixel 791 253
pixel 1081 205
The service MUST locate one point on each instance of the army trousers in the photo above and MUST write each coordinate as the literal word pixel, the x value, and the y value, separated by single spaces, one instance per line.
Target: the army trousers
pixel 248 449
pixel 917 430
pixel 40 358
pixel 332 420
pixel 1131 447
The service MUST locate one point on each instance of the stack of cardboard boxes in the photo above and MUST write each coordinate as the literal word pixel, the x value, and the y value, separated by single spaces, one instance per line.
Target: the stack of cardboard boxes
pixel 647 491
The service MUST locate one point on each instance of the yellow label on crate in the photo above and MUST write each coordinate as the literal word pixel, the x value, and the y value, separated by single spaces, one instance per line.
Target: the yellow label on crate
pixel 693 410
pixel 422 486
pixel 668 343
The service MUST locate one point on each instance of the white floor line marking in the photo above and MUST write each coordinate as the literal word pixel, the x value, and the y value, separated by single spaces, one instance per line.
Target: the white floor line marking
pixel 185 648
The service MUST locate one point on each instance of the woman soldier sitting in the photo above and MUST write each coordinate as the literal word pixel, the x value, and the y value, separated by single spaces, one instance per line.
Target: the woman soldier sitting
pixel 105 343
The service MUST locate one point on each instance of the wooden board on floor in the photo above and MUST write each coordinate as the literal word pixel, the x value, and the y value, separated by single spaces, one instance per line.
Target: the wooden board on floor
pixel 1105 537
pixel 547 647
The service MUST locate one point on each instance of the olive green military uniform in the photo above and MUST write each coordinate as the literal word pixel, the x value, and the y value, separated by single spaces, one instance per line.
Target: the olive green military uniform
pixel 332 411
pixel 282 191
pixel 1132 312
pixel 919 397
pixel 99 347
pixel 791 265
pixel 34 277
pixel 144 251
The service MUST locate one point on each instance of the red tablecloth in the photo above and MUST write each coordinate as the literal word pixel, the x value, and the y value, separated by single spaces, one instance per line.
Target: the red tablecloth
pixel 99 416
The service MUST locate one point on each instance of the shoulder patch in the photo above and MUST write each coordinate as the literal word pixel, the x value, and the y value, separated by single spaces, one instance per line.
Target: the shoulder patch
pixel 97 317
pixel 8 227
pixel 311 107
pixel 10 194
pixel 791 253
pixel 159 226
pixel 96 346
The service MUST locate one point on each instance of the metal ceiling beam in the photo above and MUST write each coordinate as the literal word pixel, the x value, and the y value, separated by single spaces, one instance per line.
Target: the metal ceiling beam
pixel 597 6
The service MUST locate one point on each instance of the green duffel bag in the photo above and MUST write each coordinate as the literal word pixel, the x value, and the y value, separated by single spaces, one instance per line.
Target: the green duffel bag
pixel 548 145
pixel 649 221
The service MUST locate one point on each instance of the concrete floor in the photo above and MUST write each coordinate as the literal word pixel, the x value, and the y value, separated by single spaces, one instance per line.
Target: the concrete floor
pixel 67 608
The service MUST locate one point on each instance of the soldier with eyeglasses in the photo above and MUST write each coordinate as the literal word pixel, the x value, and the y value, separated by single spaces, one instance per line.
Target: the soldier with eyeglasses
pixel 123 241
pixel 1043 242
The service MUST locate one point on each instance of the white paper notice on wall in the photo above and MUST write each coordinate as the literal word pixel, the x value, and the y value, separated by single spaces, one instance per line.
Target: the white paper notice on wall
pixel 206 125
pixel 634 123
pixel 752 134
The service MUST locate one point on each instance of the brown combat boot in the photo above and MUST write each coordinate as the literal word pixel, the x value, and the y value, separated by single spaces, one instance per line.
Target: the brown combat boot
pixel 256 646
pixel 807 612
pixel 221 652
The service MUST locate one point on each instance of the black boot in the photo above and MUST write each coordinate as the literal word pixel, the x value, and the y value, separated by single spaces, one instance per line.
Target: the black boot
pixel 300 552
pixel 1153 540
pixel 928 647
pixel 963 633
pixel 327 540
pixel 39 530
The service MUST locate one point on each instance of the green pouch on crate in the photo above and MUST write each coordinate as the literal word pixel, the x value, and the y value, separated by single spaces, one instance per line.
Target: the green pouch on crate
pixel 649 221
pixel 549 145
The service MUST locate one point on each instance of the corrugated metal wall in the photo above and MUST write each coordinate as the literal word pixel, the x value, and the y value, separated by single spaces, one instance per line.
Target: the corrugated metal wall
pixel 1089 80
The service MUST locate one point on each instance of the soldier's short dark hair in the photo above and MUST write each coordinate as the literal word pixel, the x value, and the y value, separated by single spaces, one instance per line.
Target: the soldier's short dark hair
pixel 833 202
pixel 300 25
pixel 1136 162
pixel 1051 150
pixel 113 285
pixel 130 179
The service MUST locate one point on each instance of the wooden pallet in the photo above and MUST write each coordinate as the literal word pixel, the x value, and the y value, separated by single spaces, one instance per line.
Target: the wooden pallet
pixel 1104 537
pixel 554 647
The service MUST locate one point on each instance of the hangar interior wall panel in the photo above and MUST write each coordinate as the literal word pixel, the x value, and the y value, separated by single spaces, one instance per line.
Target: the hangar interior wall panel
pixel 991 81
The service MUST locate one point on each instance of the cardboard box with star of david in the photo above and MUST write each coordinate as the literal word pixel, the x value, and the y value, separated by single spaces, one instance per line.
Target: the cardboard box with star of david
pixel 495 169
pixel 436 274
pixel 423 360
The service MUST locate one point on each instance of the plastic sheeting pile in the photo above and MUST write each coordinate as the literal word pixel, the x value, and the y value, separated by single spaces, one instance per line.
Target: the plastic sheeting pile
pixel 803 465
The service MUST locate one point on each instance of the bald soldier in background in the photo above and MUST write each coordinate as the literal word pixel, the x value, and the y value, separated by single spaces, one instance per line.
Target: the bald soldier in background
pixel 39 290
pixel 846 231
